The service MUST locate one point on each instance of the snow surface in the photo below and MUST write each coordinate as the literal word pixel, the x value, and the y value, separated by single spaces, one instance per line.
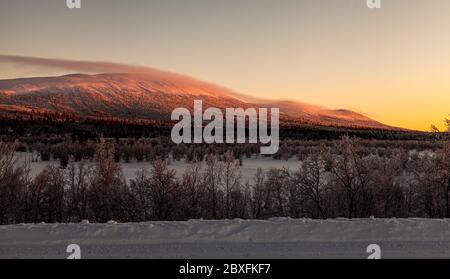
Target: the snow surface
pixel 274 238
pixel 248 169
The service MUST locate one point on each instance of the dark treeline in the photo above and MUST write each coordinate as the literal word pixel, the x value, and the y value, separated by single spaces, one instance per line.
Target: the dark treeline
pixel 148 149
pixel 56 129
pixel 341 178
pixel 54 137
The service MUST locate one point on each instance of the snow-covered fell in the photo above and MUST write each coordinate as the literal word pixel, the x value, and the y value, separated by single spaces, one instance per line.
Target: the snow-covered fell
pixel 152 96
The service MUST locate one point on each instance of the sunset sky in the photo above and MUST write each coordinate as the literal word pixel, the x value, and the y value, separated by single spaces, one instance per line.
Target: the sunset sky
pixel 392 64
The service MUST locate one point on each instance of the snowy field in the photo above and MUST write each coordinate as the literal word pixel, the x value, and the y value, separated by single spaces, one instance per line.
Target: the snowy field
pixel 248 169
pixel 275 238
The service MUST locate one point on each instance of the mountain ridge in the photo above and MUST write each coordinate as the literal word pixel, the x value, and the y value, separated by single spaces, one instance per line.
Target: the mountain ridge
pixel 153 97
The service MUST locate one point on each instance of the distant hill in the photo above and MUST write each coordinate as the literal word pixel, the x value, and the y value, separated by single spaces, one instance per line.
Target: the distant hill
pixel 152 96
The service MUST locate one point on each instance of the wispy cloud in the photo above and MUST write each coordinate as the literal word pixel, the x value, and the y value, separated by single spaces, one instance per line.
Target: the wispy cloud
pixel 82 66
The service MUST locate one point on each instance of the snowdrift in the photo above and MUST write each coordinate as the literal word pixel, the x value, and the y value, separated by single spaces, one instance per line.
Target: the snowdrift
pixel 280 230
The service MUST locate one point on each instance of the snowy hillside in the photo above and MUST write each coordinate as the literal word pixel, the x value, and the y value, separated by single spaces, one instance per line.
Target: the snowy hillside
pixel 275 238
pixel 151 96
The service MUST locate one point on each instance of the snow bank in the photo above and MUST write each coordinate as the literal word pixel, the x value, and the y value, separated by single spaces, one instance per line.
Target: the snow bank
pixel 280 230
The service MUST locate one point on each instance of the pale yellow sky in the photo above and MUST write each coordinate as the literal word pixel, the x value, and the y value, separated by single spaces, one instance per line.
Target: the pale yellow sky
pixel 393 64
